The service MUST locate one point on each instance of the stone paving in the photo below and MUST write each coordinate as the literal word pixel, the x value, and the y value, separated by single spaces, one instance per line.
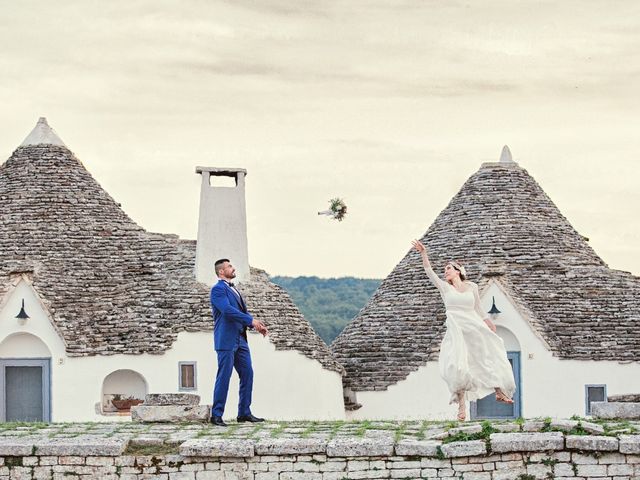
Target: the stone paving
pixel 540 449
pixel 165 433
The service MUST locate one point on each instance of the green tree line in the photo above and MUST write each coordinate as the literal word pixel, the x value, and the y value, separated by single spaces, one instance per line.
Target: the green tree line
pixel 328 303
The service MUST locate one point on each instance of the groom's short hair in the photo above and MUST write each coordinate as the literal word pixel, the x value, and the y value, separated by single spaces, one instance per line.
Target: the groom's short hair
pixel 219 264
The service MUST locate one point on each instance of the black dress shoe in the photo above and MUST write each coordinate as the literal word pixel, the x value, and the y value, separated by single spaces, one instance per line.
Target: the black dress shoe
pixel 218 421
pixel 249 418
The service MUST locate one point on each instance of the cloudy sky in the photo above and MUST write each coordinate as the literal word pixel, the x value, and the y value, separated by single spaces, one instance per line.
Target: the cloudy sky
pixel 391 105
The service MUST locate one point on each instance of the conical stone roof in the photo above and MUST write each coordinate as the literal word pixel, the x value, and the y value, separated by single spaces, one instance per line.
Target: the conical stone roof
pixel 109 285
pixel 501 225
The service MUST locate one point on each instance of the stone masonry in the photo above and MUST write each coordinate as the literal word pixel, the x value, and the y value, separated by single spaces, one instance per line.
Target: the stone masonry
pixel 544 449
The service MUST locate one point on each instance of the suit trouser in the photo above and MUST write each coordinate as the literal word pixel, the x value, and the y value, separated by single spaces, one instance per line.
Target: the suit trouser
pixel 240 358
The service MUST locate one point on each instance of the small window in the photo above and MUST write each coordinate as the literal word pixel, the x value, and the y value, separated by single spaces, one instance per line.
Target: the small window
pixel 594 393
pixel 187 376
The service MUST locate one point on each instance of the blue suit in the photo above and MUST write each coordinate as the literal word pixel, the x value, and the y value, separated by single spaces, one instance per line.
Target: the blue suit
pixel 230 323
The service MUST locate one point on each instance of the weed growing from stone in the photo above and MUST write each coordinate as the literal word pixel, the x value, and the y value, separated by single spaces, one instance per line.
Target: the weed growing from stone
pixel 311 428
pixel 484 434
pixel 550 462
pixel 399 433
pixel 362 429
pixel 254 431
pixel 231 429
pixel 423 428
pixel 276 432
pixel 335 428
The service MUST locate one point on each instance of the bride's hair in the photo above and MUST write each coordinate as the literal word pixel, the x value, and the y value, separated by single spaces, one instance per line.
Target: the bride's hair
pixel 459 268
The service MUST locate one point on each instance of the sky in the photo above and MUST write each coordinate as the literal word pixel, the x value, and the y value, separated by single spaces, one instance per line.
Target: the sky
pixel 390 105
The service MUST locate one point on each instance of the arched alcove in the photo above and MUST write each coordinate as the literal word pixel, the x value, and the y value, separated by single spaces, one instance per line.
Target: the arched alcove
pixel 23 345
pixel 511 342
pixel 123 383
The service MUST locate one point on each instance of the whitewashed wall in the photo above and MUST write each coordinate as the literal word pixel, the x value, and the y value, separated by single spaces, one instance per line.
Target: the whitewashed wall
pixel 550 386
pixel 287 385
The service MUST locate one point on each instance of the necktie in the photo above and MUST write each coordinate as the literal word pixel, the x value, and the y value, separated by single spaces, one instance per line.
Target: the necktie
pixel 237 293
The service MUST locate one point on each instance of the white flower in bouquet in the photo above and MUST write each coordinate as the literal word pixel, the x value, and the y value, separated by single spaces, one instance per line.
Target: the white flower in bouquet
pixel 337 209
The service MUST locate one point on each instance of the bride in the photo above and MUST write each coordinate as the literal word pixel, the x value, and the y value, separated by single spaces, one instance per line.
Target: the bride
pixel 473 360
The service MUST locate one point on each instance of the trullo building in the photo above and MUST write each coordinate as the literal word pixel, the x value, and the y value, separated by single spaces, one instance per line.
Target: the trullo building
pixel 92 305
pixel 571 325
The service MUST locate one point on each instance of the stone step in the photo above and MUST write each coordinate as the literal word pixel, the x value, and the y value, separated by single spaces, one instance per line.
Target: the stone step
pixel 622 410
pixel 170 413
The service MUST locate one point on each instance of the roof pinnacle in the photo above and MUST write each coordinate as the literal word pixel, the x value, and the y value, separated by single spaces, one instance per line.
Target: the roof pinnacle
pixel 42 134
pixel 505 156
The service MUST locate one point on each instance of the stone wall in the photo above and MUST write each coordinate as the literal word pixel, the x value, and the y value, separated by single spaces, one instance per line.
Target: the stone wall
pixel 519 455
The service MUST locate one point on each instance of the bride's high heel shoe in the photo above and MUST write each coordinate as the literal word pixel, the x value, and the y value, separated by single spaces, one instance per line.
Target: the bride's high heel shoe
pixel 502 397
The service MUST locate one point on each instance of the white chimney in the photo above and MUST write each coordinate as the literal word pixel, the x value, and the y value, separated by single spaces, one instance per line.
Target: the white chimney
pixel 222 224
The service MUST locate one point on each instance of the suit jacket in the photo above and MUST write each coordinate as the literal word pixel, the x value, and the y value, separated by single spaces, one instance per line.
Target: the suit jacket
pixel 230 317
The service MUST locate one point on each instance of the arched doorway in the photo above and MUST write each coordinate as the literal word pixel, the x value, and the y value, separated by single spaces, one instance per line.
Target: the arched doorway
pixel 122 384
pixel 488 407
pixel 25 379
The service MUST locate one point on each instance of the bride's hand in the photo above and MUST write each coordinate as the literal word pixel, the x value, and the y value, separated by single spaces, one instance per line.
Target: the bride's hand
pixel 491 325
pixel 418 246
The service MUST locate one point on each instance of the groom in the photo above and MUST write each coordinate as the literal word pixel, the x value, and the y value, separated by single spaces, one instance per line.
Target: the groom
pixel 231 321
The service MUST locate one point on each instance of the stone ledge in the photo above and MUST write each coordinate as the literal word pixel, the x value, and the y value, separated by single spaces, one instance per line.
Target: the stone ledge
pixel 76 446
pixel 359 447
pixel 526 442
pixel 82 447
pixel 218 448
pixel 290 446
pixel 423 448
pixel 465 449
pixel 16 447
pixel 630 444
pixel 592 443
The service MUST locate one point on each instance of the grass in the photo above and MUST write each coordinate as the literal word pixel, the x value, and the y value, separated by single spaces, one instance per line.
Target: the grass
pixel 362 429
pixel 311 428
pixel 487 430
pixel 335 428
pixel 399 433
pixel 255 430
pixel 276 432
pixel 420 435
pixel 230 430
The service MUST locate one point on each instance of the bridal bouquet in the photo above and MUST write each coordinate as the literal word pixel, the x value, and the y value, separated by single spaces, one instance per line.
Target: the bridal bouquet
pixel 337 209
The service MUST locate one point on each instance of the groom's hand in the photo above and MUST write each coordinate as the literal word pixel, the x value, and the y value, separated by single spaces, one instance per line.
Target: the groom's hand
pixel 260 327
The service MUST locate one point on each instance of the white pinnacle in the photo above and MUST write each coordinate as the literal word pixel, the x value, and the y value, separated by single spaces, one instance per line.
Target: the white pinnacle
pixel 42 134
pixel 505 156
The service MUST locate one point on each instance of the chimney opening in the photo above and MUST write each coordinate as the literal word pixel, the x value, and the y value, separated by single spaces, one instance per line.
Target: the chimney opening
pixel 223 180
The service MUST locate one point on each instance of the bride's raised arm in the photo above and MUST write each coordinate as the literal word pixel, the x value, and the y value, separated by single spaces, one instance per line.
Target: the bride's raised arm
pixel 437 281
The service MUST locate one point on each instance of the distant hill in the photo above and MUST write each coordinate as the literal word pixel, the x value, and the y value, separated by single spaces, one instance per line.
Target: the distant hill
pixel 328 303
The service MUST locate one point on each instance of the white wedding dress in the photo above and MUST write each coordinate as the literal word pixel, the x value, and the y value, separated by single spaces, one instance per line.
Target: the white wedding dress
pixel 472 359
